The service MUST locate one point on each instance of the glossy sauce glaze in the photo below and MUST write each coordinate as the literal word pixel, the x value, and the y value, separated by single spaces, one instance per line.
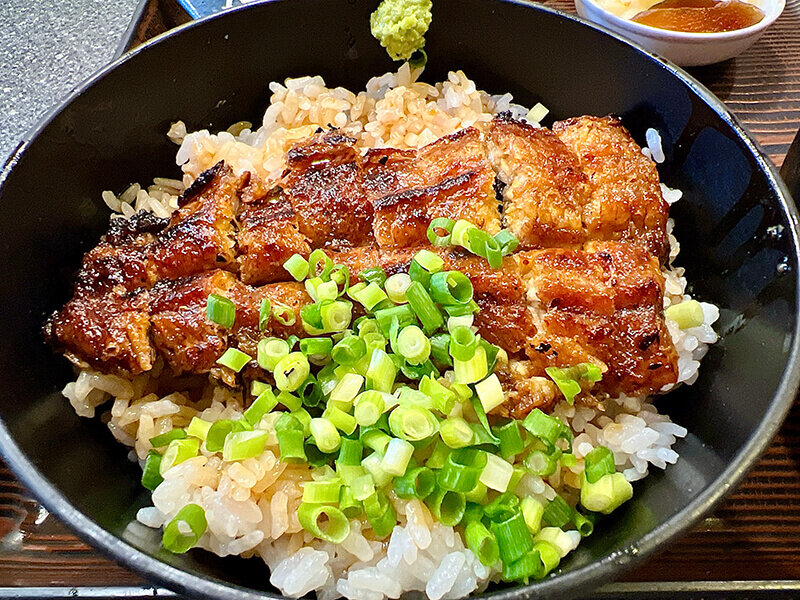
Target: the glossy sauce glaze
pixel 700 16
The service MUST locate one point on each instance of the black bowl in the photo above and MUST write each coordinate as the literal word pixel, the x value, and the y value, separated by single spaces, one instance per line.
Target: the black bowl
pixel 737 227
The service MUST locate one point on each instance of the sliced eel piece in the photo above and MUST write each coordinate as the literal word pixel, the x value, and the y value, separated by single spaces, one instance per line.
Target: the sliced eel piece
pixel 108 332
pixel 268 234
pixel 546 192
pixel 120 262
pixel 602 305
pixel 182 332
pixel 626 203
pixel 324 183
pixel 450 177
pixel 200 234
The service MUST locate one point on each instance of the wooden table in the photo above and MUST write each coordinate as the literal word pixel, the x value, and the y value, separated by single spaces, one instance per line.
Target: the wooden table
pixel 753 539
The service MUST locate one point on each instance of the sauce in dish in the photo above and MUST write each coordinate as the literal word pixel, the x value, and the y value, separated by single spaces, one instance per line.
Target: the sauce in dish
pixel 700 16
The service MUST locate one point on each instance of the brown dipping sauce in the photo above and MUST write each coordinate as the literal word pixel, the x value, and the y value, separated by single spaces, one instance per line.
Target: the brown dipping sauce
pixel 700 16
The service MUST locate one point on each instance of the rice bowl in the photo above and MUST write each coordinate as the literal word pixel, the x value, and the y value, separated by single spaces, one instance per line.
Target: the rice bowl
pixel 250 505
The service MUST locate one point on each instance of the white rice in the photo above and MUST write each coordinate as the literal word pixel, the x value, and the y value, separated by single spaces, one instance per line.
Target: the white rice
pixel 251 505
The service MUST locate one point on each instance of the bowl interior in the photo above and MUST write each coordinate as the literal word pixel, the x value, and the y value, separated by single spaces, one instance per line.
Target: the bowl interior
pixel 736 233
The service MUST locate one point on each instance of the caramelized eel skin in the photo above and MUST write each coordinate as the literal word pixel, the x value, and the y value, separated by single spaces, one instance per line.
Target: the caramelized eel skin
pixel 586 285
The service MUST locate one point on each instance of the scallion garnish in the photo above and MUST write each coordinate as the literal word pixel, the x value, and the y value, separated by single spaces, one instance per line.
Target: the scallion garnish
pixel 221 311
pixel 176 539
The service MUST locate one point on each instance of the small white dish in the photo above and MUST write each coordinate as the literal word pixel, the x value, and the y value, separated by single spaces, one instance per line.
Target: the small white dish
pixel 682 48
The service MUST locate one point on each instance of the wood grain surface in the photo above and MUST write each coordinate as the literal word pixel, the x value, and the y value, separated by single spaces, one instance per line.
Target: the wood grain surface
pixel 754 535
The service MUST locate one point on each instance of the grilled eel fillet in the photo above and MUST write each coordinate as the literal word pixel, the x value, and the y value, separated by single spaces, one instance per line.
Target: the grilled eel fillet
pixel 588 290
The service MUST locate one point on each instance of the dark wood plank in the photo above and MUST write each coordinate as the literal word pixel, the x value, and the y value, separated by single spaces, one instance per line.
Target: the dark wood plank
pixel 754 535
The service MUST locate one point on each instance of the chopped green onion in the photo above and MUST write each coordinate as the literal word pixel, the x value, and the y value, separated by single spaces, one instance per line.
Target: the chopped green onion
pixel 413 423
pixel 175 539
pixel 511 441
pixel 442 398
pixel 460 321
pixel 490 392
pixel 542 463
pixel 395 459
pixel 304 417
pixel 347 388
pixel 429 261
pixel 438 457
pixel 258 387
pixel 497 473
pixel 477 406
pixel 350 452
pixel 450 287
pixel 380 514
pixel 440 349
pixel 297 266
pixel 221 311
pixel 351 507
pixel 477 494
pixel 373 275
pixel 289 431
pixel 381 371
pixel 325 435
pixel 291 371
pixel 687 314
pixel 336 315
pixel 537 113
pixel 599 462
pixel 284 314
pixel 441 223
pixel 418 482
pixel 270 352
pixel 567 379
pixel 369 406
pixel 374 438
pixel 162 440
pixel 485 246
pixel 460 234
pixel 558 538
pixel 447 506
pixel 322 492
pixel 423 306
pixel 568 460
pixel 370 296
pixel 234 359
pixel 413 345
pixel 463 342
pixel 396 287
pixel 320 264
pixel 583 523
pixel 265 402
pixel 343 421
pixel 151 474
pixel 198 428
pixel 264 313
pixel 240 445
pixel 327 523
pixel 482 542
pixel 349 473
pixel 462 469
pixel 532 512
pixel 507 241
pixel 605 495
pixel 290 401
pixel 455 432
pixel 349 350
pixel 547 429
pixel 177 452
pixel 557 513
pixel 493 354
pixel 362 487
pixel 502 507
pixel 513 538
pixel 403 315
pixel 535 564
pixel 472 370
pixel 219 430
pixel 316 346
